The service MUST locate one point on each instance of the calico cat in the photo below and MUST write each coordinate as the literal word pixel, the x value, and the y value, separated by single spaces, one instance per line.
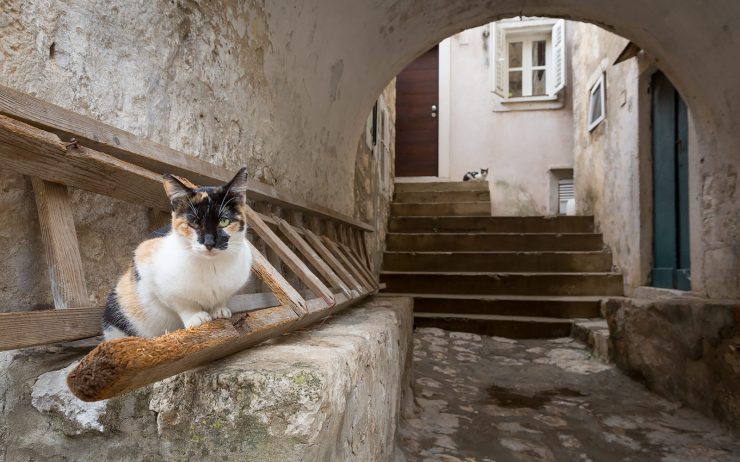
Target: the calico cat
pixel 476 176
pixel 185 273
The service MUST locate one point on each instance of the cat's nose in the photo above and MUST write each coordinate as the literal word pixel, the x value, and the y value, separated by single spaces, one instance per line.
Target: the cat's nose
pixel 209 242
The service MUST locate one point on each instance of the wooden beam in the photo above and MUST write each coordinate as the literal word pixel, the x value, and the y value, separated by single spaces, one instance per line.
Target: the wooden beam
pixel 144 153
pixel 277 283
pixel 287 256
pixel 36 153
pixel 25 329
pixel 118 366
pixel 31 328
pixel 335 264
pixel 363 247
pixel 339 254
pixel 61 250
pixel 310 255
pixel 358 265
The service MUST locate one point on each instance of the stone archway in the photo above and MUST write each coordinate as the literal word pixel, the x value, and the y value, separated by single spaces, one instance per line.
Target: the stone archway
pixel 356 47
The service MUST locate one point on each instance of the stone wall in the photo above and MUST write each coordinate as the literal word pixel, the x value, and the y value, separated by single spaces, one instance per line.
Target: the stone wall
pixel 374 173
pixel 685 349
pixel 330 392
pixel 212 79
pixel 607 159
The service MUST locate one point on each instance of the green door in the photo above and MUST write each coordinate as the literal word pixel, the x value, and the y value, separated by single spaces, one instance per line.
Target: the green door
pixel 671 257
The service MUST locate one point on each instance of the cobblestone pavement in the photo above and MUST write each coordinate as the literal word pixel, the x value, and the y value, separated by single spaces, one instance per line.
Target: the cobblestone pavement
pixel 489 399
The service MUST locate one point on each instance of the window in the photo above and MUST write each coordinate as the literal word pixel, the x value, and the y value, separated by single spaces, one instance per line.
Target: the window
pixel 566 192
pixel 596 104
pixel 528 57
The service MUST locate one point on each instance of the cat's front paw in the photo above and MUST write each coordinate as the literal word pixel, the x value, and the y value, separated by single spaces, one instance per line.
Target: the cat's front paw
pixel 197 319
pixel 221 313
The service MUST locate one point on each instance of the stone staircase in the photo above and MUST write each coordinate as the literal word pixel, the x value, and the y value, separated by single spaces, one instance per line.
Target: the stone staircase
pixel 521 277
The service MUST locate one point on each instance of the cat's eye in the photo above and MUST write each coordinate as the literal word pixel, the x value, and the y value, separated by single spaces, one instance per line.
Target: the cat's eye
pixel 193 225
pixel 223 223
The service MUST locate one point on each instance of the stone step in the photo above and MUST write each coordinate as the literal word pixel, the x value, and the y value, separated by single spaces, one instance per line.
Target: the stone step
pixel 481 208
pixel 498 261
pixel 509 305
pixel 595 334
pixel 483 242
pixel 502 283
pixel 496 326
pixel 425 197
pixel 441 186
pixel 433 224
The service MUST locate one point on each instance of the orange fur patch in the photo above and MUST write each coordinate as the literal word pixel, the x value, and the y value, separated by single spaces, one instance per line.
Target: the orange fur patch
pixel 180 225
pixel 186 182
pixel 146 249
pixel 200 197
pixel 128 298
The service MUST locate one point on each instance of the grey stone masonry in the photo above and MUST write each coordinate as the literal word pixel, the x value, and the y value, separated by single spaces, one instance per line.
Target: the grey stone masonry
pixel 329 392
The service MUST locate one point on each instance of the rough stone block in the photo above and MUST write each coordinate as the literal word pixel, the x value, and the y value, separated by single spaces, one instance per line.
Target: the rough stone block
pixel 686 349
pixel 330 392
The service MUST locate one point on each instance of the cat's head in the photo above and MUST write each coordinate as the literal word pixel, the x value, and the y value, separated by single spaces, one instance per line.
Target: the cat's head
pixel 209 219
pixel 484 172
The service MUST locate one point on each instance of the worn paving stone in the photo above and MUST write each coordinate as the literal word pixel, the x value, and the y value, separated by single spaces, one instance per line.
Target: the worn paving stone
pixel 490 399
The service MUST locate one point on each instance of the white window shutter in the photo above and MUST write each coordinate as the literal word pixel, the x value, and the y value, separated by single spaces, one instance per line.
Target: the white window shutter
pixel 558 55
pixel 498 65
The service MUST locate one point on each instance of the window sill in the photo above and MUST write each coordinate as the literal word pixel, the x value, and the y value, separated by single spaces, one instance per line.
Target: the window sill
pixel 529 99
pixel 529 103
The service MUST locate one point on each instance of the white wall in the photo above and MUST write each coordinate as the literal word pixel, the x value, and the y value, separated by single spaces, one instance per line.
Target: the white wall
pixel 519 146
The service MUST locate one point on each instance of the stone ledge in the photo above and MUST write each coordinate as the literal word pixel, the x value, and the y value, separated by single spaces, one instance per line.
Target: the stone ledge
pixel 330 392
pixel 685 349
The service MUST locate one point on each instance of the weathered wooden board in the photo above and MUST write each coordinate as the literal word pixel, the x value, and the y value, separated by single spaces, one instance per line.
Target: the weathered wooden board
pixel 339 254
pixel 116 367
pixel 311 256
pixel 328 256
pixel 139 151
pixel 277 283
pixel 287 256
pixel 61 250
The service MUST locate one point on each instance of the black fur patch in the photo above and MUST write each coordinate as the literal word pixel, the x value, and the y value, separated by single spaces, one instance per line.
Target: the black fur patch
pixel 113 316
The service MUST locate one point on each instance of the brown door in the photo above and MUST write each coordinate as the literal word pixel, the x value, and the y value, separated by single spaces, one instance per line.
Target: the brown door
pixel 417 88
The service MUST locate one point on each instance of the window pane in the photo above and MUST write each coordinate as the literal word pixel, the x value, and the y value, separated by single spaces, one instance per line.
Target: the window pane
pixel 515 84
pixel 596 110
pixel 539 84
pixel 538 52
pixel 515 54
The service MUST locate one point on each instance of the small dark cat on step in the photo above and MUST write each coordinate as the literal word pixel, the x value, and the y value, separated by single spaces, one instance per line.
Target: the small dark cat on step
pixel 186 272
pixel 476 176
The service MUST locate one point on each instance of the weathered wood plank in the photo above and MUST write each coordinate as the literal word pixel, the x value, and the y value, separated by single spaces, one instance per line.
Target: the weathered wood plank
pixel 344 273
pixel 36 153
pixel 61 250
pixel 311 256
pixel 31 328
pixel 287 256
pixel 277 283
pixel 363 247
pixel 116 367
pixel 358 263
pixel 139 151
pixel 339 254
pixel 352 258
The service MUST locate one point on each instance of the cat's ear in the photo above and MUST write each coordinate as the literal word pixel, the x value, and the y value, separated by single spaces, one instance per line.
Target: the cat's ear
pixel 176 188
pixel 238 184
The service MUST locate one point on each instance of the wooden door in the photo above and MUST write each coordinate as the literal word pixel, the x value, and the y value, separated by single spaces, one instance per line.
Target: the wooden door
pixel 417 90
pixel 672 262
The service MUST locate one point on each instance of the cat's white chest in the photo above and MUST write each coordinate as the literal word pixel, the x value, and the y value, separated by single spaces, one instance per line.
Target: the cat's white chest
pixel 207 282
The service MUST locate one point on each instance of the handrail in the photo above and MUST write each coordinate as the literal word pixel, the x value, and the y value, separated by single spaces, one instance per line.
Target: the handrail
pixel 126 146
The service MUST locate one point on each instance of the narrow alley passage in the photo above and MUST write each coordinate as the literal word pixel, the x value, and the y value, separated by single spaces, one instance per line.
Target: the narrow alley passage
pixel 480 398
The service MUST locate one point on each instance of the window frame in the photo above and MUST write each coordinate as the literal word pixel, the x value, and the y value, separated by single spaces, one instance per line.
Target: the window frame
pixel 527 38
pixel 514 29
pixel 599 84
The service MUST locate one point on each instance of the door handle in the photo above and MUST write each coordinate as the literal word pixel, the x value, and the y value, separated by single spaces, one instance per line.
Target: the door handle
pixel 434 110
